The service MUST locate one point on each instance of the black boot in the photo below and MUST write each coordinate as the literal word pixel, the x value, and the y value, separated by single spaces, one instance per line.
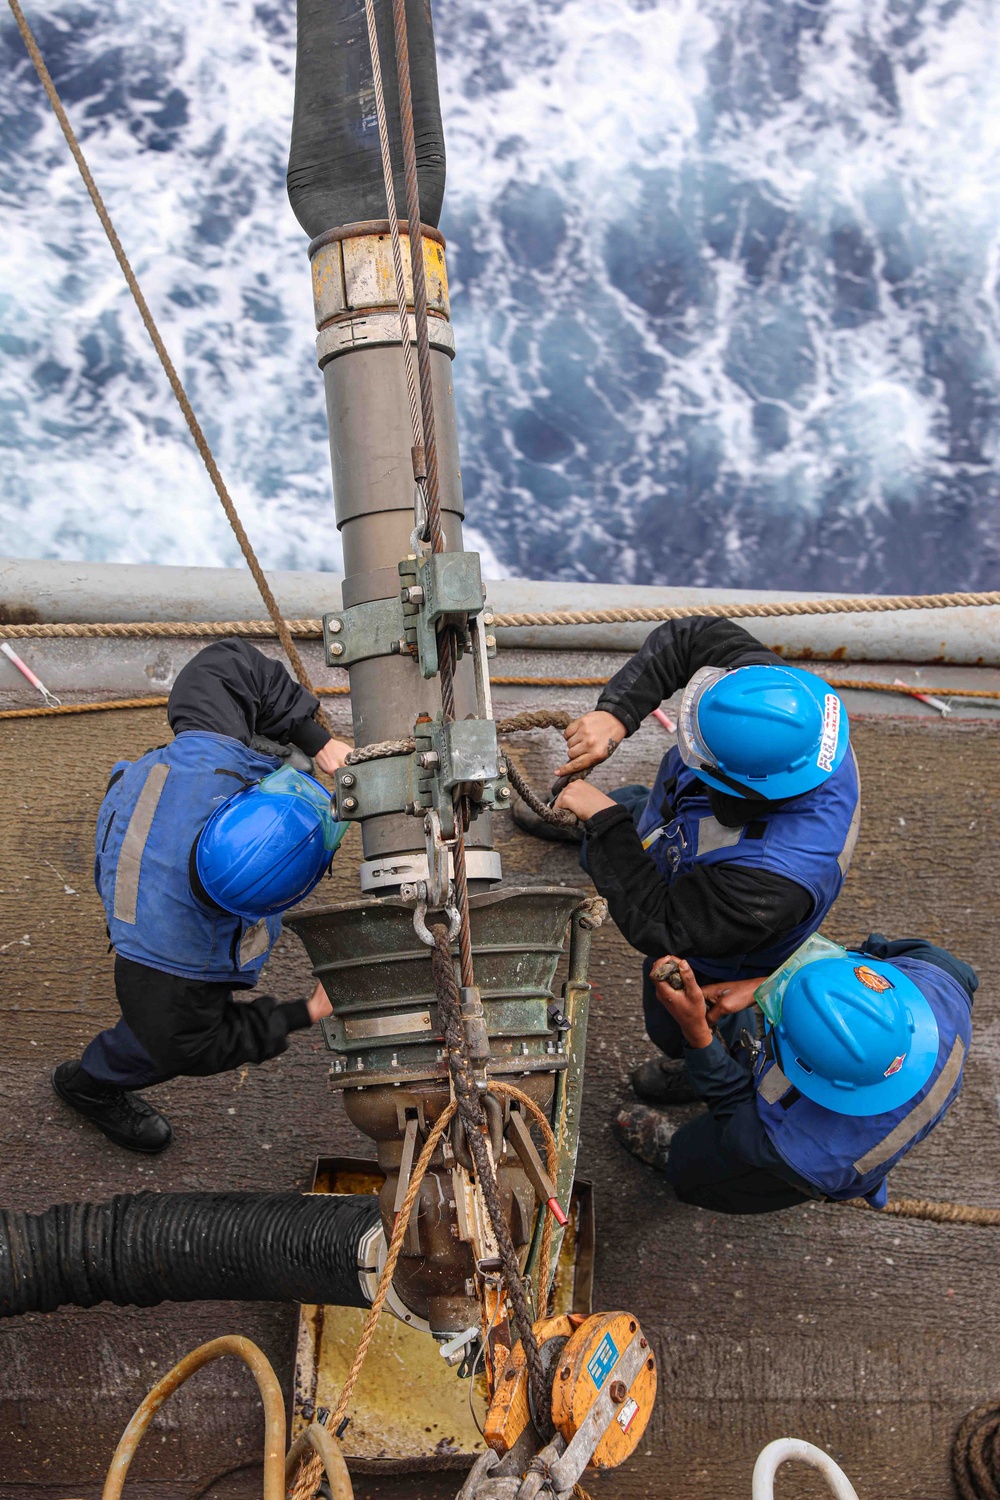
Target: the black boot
pixel 663 1080
pixel 124 1118
pixel 646 1133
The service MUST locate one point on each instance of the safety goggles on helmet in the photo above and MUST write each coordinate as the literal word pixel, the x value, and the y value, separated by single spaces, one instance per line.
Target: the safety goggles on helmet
pixel 693 750
pixel 288 782
pixel 771 993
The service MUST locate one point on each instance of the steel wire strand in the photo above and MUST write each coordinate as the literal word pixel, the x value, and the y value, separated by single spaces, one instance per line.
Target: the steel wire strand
pixel 416 425
pixel 412 184
pixel 473 1120
pixel 183 401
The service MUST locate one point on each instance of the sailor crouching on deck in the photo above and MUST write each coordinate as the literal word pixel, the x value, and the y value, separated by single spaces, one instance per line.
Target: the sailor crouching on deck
pixel 862 1057
pixel 201 844
pixel 741 847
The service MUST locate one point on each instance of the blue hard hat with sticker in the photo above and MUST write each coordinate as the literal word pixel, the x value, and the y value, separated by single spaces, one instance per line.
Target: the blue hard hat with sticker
pixel 267 846
pixel 768 731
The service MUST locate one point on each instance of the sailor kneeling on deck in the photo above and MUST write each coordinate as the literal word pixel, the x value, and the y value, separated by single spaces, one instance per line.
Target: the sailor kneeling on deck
pixel 862 1056
pixel 741 847
pixel 201 844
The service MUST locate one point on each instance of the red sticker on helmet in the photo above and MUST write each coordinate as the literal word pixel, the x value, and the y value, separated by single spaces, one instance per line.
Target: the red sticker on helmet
pixel 873 981
pixel 895 1066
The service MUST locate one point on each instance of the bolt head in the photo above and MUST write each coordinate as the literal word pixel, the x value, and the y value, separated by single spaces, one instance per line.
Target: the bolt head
pixel 503 793
pixel 334 626
pixel 349 804
pixel 347 779
pixel 618 1391
pixel 336 648
pixel 491 641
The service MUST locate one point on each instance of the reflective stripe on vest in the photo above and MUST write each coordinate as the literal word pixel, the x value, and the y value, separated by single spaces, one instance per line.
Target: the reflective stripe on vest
pixel 774 1085
pixel 899 1138
pixel 134 843
pixel 848 1156
pixel 809 840
pixel 850 843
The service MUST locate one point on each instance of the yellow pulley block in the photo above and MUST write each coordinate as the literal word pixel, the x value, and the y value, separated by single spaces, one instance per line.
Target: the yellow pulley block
pixel 509 1415
pixel 605 1380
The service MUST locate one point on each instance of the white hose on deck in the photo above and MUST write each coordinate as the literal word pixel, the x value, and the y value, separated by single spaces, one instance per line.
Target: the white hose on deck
pixel 782 1449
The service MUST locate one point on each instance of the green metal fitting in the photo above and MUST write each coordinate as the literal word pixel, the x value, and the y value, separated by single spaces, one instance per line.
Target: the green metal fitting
pixel 442 588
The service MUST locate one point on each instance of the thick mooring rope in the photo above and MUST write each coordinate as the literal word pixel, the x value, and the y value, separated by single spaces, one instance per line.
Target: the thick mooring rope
pixel 975 1454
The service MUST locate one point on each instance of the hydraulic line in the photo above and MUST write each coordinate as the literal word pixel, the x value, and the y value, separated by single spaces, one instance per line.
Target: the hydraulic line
pixel 147 1248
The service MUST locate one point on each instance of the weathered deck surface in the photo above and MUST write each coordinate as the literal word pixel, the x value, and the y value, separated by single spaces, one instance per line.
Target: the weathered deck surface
pixel 871 1337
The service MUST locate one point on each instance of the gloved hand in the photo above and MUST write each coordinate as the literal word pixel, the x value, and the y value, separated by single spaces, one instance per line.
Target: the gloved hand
pixel 590 740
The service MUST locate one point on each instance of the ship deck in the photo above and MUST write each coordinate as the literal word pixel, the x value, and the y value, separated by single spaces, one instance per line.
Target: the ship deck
pixel 869 1336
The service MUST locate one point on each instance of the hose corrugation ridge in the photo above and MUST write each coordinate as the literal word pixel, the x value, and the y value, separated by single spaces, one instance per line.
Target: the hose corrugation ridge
pixel 148 1248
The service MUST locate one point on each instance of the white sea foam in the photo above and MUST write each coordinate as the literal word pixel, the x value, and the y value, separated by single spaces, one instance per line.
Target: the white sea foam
pixel 724 288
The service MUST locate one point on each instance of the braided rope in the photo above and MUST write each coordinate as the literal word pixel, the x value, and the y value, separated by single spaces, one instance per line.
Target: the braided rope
pixel 183 401
pixel 865 604
pixel 508 1091
pixel 861 604
pixel 934 1212
pixel 975 1454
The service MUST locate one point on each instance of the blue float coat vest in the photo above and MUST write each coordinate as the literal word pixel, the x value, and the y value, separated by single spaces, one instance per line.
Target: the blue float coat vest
pixel 810 839
pixel 153 811
pixel 850 1156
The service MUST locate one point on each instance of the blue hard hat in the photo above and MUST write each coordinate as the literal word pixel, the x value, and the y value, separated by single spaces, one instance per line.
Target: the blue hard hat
pixel 773 731
pixel 267 846
pixel 856 1035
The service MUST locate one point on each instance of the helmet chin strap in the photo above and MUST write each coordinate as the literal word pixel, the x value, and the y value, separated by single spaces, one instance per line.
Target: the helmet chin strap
pixel 737 786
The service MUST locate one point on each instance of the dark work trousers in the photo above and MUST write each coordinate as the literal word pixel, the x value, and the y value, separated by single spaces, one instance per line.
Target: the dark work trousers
pixel 173 1027
pixel 704 1169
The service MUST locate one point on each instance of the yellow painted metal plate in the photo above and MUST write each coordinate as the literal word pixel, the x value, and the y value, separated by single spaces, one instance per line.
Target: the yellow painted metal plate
pixel 589 1366
pixel 408 1404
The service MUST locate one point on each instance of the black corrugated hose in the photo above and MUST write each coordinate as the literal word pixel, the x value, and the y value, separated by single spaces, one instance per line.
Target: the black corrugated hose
pixel 141 1249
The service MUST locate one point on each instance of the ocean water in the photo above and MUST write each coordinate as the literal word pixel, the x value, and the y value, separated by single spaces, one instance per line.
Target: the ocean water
pixel 724 277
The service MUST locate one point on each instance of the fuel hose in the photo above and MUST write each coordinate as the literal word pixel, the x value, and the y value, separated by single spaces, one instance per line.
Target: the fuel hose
pixel 145 1248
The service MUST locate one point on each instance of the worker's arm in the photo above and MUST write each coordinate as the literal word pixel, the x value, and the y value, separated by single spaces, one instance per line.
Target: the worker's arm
pixel 720 1080
pixel 726 1085
pixel 716 909
pixel 198 1029
pixel 665 663
pixel 231 688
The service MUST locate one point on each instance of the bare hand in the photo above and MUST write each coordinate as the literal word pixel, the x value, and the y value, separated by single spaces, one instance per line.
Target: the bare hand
pixel 583 799
pixel 729 996
pixel 591 740
pixel 687 1006
pixel 318 1004
pixel 332 756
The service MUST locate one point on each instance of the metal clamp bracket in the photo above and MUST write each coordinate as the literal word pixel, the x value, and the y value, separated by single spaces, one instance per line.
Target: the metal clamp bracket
pixel 441 588
pixel 463 755
pixel 375 786
pixel 374 628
